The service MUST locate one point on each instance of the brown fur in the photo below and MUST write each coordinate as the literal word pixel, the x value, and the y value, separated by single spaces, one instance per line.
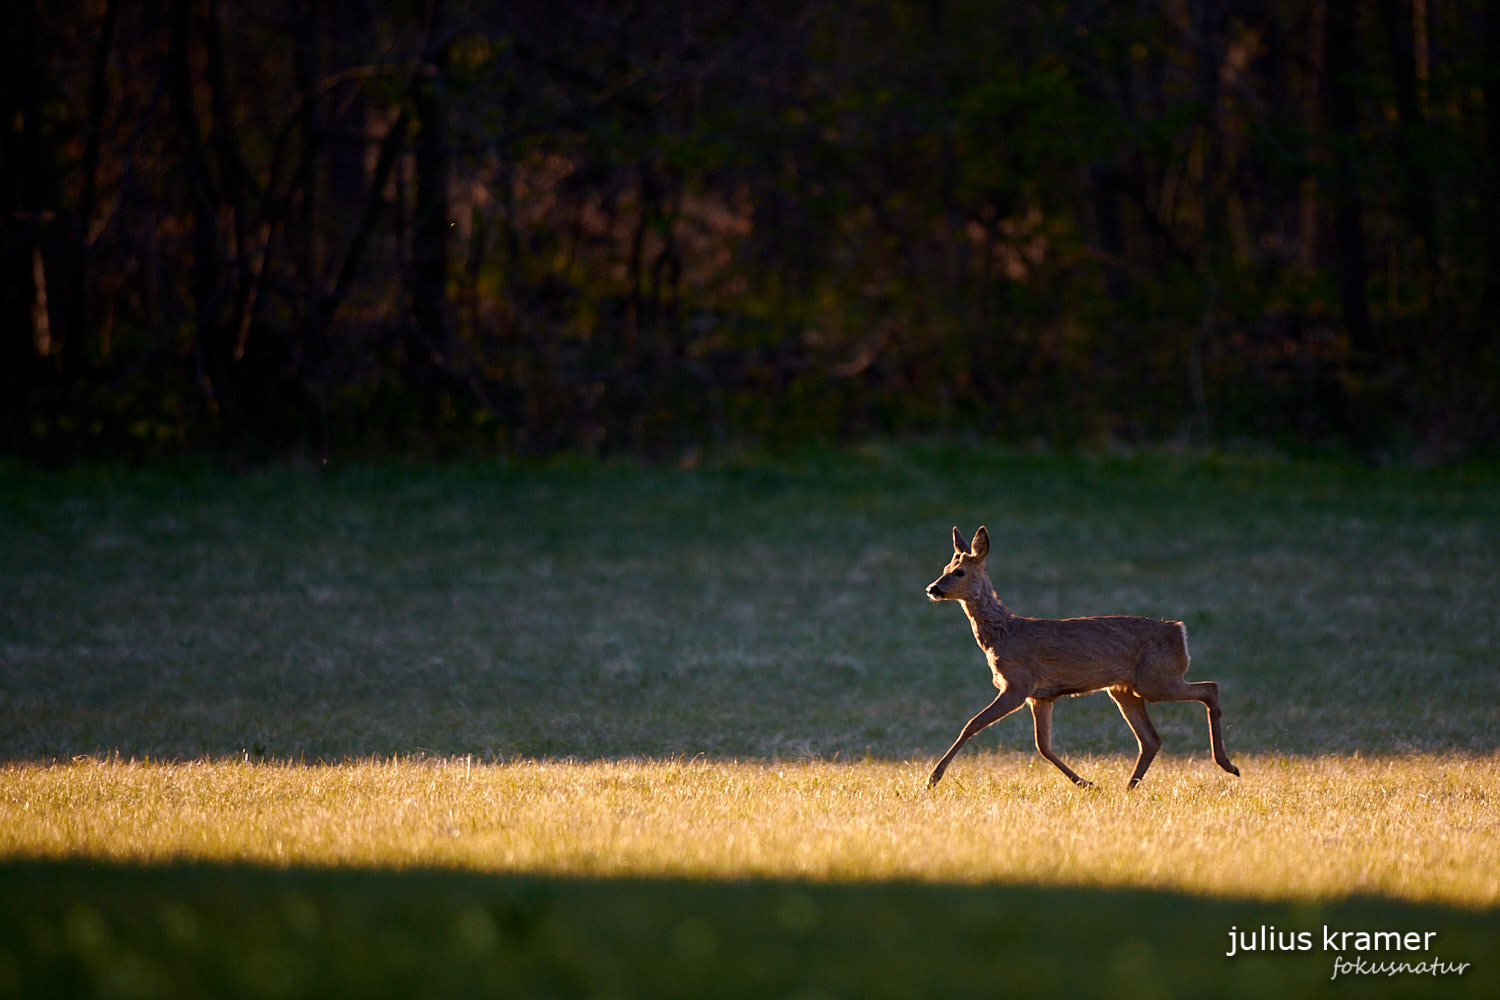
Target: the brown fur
pixel 1035 661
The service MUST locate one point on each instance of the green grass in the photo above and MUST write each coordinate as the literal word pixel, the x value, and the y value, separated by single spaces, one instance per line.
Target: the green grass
pixel 667 701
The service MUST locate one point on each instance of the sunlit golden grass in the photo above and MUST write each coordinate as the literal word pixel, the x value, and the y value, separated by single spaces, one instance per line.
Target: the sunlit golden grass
pixel 1415 827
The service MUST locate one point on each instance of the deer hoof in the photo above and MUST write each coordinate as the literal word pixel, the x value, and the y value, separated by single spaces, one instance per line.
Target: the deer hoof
pixel 1230 768
pixel 934 778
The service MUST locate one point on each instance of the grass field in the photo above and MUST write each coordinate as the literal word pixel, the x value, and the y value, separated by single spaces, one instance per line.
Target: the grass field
pixel 603 729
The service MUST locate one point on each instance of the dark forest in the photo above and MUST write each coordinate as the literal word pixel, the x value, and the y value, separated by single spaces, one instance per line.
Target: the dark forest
pixel 262 229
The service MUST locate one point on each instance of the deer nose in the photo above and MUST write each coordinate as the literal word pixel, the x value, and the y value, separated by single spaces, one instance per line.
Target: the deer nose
pixel 933 590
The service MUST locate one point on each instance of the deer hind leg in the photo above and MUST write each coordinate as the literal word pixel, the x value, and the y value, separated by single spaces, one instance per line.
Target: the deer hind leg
pixel 1041 716
pixel 1004 704
pixel 1208 693
pixel 1133 707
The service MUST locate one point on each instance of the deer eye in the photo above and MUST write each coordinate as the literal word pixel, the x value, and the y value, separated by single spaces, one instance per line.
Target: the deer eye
pixel 958 572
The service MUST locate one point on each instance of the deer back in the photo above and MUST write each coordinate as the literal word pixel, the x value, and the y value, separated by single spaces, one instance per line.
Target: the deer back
pixel 1052 658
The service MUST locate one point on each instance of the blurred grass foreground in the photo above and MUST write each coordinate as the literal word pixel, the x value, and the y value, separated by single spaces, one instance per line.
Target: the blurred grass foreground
pixel 580 728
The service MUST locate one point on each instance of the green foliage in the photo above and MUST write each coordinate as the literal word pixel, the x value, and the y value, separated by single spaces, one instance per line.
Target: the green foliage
pixel 673 227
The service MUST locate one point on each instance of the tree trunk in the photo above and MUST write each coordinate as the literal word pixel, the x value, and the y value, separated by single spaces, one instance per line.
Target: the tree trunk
pixel 1341 119
pixel 73 316
pixel 427 345
pixel 1491 61
pixel 204 283
pixel 1416 179
pixel 22 166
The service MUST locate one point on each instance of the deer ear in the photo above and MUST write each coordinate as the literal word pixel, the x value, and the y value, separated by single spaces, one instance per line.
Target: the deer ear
pixel 959 545
pixel 981 543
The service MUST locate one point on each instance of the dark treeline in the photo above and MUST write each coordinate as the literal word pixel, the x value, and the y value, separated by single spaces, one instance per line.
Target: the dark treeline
pixel 269 227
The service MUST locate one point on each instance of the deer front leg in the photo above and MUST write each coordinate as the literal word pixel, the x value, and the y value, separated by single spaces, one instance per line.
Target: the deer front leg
pixel 1041 717
pixel 1006 703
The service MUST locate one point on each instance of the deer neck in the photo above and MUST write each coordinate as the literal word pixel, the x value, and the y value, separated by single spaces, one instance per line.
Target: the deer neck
pixel 988 615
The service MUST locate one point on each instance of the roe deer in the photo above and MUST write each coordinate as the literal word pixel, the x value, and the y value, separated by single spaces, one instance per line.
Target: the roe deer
pixel 1038 660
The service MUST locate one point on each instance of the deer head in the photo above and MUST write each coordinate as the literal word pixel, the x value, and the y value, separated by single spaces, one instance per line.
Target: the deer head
pixel 964 576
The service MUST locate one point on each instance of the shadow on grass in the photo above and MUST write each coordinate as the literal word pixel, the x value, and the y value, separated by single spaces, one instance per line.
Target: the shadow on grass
pixel 87 928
